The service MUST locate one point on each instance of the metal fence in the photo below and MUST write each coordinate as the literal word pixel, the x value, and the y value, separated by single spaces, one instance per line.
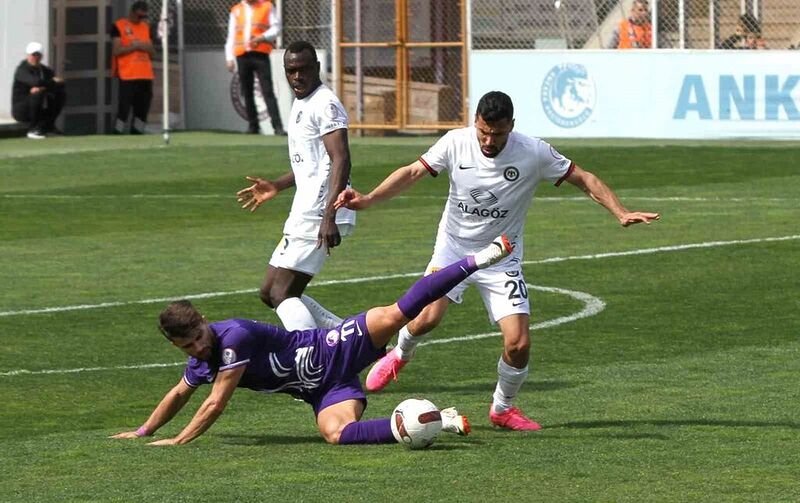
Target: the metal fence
pixel 546 24
pixel 679 24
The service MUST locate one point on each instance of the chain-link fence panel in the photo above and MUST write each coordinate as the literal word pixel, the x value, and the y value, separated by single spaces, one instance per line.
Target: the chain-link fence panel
pixel 205 23
pixel 308 20
pixel 624 24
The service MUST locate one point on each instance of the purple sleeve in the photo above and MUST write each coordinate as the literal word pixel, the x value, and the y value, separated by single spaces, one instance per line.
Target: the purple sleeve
pixel 197 373
pixel 236 348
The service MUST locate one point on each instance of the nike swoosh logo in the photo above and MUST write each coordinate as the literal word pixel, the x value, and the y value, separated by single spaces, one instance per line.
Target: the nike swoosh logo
pixel 358 330
pixel 461 166
pixel 517 304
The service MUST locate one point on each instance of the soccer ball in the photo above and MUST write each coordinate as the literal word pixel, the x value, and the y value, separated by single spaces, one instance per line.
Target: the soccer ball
pixel 416 423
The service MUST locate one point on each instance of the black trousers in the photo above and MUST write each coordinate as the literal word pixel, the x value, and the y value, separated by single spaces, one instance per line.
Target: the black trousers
pixel 41 110
pixel 250 65
pixel 137 94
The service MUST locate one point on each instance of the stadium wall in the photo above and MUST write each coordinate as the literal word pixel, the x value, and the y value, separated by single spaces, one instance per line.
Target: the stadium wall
pixel 668 94
pixel 212 95
pixel 21 22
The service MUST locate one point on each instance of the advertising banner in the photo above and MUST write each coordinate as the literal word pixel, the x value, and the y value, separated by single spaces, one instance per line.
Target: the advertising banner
pixel 645 94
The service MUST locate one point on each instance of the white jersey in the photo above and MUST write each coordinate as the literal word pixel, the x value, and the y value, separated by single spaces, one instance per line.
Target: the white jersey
pixel 491 196
pixel 311 118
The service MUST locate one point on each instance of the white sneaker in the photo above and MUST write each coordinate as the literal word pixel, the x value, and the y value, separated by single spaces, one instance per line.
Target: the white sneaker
pixel 36 135
pixel 497 250
pixel 453 422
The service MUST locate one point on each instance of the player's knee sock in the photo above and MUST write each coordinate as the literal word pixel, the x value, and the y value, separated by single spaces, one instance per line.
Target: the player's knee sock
pixel 294 315
pixel 434 286
pixel 509 381
pixel 322 317
pixel 407 344
pixel 372 431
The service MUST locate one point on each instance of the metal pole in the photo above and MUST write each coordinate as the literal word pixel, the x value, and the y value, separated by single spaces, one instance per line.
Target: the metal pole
pixel 164 29
pixel 279 38
pixel 181 63
pixel 654 25
pixel 682 23
pixel 712 37
pixel 467 54
pixel 335 79
pixel 358 69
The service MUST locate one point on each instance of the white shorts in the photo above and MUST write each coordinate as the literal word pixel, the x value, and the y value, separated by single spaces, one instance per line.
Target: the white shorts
pixel 301 254
pixel 502 286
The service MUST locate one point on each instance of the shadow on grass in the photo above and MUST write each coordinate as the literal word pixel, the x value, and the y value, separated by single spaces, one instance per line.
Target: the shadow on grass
pixel 676 422
pixel 243 439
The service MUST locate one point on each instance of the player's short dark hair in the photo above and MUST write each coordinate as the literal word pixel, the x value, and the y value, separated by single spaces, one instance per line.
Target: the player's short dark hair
pixel 140 5
pixel 495 106
pixel 299 46
pixel 180 320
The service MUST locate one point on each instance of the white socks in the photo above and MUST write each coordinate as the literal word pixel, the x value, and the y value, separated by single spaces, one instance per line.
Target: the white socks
pixel 509 381
pixel 322 317
pixel 407 344
pixel 294 315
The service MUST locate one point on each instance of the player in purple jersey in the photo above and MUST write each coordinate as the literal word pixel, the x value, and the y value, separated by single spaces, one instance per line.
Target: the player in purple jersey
pixel 318 366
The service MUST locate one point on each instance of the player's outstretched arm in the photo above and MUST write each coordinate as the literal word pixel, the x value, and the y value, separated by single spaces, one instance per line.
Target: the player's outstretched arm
pixel 210 410
pixel 172 402
pixel 399 181
pixel 595 188
pixel 262 190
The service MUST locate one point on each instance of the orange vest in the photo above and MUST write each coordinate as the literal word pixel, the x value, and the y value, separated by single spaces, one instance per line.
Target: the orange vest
pixel 134 65
pixel 634 36
pixel 259 23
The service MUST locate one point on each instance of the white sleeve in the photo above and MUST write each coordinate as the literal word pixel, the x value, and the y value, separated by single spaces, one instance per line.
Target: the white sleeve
pixel 274 25
pixel 330 117
pixel 229 41
pixel 438 157
pixel 552 165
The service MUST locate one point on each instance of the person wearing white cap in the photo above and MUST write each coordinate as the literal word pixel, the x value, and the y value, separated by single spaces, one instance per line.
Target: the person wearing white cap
pixel 38 95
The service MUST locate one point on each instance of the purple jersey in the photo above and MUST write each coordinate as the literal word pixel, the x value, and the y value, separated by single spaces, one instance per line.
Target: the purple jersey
pixel 319 366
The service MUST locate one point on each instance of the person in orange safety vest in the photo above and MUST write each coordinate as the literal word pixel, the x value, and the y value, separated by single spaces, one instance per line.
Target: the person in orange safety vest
pixel 132 52
pixel 253 26
pixel 635 32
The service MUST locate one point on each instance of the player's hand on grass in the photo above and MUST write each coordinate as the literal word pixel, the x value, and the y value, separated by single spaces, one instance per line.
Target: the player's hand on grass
pixel 351 199
pixel 257 194
pixel 329 236
pixel 164 441
pixel 635 217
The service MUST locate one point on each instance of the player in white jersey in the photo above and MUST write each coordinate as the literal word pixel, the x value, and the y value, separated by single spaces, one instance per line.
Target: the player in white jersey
pixel 320 161
pixel 493 172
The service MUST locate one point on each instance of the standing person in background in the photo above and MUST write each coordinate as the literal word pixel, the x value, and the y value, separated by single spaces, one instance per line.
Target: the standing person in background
pixel 132 52
pixel 635 32
pixel 253 27
pixel 747 36
pixel 38 95
pixel 319 154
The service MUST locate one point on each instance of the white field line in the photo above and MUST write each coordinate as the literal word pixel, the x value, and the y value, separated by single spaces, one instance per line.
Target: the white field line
pixel 550 199
pixel 551 260
pixel 591 306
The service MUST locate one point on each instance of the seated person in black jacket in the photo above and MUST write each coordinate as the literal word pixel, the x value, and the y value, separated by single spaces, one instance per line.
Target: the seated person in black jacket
pixel 38 95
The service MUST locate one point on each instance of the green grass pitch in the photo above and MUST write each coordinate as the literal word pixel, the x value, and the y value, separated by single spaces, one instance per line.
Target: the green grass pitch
pixel 684 387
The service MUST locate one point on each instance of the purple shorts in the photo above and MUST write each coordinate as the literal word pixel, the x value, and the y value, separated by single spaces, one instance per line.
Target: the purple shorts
pixel 347 350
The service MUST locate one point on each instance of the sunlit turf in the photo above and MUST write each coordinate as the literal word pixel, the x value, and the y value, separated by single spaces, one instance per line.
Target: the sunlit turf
pixel 684 388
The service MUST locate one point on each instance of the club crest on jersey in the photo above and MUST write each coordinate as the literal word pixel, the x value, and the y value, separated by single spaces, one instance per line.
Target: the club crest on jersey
pixel 511 174
pixel 332 338
pixel 228 356
pixel 331 111
pixel 299 117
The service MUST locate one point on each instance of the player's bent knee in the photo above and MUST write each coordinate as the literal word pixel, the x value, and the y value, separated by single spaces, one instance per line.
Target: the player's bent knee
pixel 264 294
pixel 332 435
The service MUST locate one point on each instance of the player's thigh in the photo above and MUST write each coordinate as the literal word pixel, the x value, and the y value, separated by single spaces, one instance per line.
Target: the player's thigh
pixel 280 283
pixel 383 323
pixel 298 254
pixel 332 419
pixel 503 291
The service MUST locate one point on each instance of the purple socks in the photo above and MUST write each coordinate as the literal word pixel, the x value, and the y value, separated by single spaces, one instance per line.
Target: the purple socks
pixel 372 431
pixel 434 286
